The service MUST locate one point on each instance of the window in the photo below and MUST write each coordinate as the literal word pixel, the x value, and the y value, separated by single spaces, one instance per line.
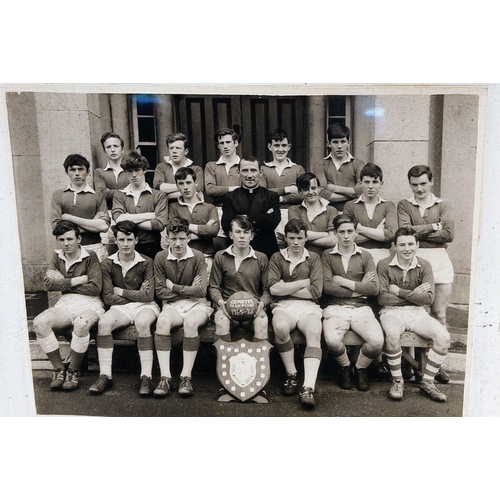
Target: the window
pixel 144 131
pixel 339 111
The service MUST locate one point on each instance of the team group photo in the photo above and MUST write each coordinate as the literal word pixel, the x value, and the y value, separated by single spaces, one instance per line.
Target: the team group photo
pixel 293 250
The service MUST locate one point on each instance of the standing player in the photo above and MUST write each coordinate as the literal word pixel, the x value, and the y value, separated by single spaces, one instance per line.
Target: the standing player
pixel 138 203
pixel 181 284
pixel 76 273
pixel 109 179
pixel 259 204
pixel 128 287
pixel 240 268
pixel 316 214
pixel 349 278
pixel 222 176
pixel 80 204
pixel 432 220
pixel 340 169
pixel 280 176
pixel 406 287
pixel 164 178
pixel 202 217
pixel 295 280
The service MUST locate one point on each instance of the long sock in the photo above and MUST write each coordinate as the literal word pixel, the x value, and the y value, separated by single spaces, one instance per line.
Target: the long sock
pixel 163 344
pixel 312 359
pixel 105 354
pixel 394 363
pixel 145 346
pixel 50 346
pixel 364 360
pixel 287 354
pixel 79 346
pixel 55 359
pixel 434 361
pixel 189 352
pixel 343 359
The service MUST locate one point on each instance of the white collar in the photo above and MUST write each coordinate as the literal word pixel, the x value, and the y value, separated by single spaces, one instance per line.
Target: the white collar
pixel 323 201
pixel 187 163
pixel 86 189
pixel 379 199
pixel 289 163
pixel 413 265
pixel 221 161
pixel 305 255
pixel 347 160
pixel 434 199
pixel 198 196
pixel 251 254
pixel 189 254
pixel 114 168
pixel 128 190
pixel 137 258
pixel 83 255
pixel 336 250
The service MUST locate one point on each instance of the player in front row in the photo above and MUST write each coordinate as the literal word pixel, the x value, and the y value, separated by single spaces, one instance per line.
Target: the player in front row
pixel 295 280
pixel 406 287
pixel 76 273
pixel 240 268
pixel 128 287
pixel 349 278
pixel 181 284
pixel 80 204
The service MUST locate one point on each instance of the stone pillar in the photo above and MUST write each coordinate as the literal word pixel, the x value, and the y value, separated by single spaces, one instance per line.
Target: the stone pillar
pixel 458 176
pixel 120 118
pixel 316 130
pixel 165 123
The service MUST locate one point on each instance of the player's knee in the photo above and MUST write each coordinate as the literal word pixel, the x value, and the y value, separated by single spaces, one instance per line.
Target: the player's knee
pixel 41 325
pixel 104 327
pixel 190 328
pixel 163 325
pixel 281 333
pixel 442 339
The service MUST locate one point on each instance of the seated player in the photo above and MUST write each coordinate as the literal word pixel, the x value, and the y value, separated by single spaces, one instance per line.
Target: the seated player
pixel 316 213
pixel 340 169
pixel 202 217
pixel 295 280
pixel 240 268
pixel 110 178
pixel 80 204
pixel 76 273
pixel 128 287
pixel 181 284
pixel 138 203
pixel 280 176
pixel 164 178
pixel 431 217
pixel 222 176
pixel 349 278
pixel 259 204
pixel 406 287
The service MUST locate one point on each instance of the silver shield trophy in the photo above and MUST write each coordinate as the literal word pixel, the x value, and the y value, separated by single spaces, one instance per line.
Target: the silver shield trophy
pixel 243 369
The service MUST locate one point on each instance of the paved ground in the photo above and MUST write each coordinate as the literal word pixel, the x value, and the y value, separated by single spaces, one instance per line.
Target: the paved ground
pixel 123 398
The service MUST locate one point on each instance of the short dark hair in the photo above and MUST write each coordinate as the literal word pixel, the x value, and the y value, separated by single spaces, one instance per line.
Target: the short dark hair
pixel 177 136
pixel 76 159
pixel 177 225
pixel 337 131
pixel 295 226
pixel 244 222
pixel 371 170
pixel 419 170
pixel 127 227
pixel 278 134
pixel 343 219
pixel 111 135
pixel 63 226
pixel 304 181
pixel 134 160
pixel 405 231
pixel 183 172
pixel 250 159
pixel 233 132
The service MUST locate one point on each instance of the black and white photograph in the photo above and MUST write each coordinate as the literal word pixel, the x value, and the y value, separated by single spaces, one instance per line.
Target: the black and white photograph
pixel 266 251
